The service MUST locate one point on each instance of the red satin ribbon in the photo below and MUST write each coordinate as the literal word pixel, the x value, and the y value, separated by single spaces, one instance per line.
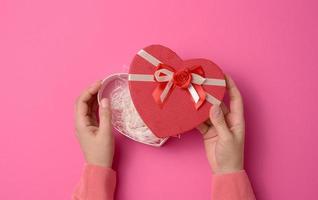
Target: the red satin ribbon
pixel 182 78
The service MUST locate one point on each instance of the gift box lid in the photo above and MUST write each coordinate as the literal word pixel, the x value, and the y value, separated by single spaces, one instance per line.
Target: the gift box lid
pixel 172 95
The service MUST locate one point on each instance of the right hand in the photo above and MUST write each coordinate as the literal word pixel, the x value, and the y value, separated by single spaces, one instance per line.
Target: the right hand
pixel 223 134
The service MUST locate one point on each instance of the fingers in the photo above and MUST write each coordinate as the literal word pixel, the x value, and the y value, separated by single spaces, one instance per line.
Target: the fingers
pixel 203 128
pixel 104 116
pixel 82 107
pixel 236 119
pixel 224 108
pixel 236 101
pixel 208 132
pixel 218 121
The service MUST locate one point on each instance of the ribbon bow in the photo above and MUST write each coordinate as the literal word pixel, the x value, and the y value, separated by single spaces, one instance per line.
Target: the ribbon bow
pixel 187 78
pixel 168 78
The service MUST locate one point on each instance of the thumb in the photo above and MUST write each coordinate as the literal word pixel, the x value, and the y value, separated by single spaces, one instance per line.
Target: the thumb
pixel 218 121
pixel 104 116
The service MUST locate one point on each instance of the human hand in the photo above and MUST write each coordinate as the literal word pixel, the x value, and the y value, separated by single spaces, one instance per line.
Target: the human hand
pixel 224 133
pixel 96 140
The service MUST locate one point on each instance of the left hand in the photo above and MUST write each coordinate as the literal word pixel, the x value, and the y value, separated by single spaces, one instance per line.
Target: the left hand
pixel 96 140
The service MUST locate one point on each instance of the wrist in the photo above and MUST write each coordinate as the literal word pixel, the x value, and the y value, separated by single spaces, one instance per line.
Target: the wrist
pixel 102 163
pixel 228 169
pixel 97 166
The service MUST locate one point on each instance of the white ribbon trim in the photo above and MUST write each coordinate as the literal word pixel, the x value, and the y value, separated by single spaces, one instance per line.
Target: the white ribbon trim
pixel 168 77
pixel 215 82
pixel 199 80
pixel 194 94
pixel 145 55
pixel 141 77
pixel 211 99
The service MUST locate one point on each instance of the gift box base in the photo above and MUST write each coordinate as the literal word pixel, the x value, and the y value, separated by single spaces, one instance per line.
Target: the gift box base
pixel 125 118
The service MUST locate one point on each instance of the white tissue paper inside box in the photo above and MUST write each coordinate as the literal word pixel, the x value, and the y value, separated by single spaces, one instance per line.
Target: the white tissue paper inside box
pixel 125 118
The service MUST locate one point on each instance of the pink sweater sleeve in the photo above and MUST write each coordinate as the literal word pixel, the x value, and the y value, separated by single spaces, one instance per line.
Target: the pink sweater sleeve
pixel 232 186
pixel 96 183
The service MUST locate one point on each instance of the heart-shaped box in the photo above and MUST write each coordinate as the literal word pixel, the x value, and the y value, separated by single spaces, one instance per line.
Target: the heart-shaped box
pixel 118 84
pixel 172 95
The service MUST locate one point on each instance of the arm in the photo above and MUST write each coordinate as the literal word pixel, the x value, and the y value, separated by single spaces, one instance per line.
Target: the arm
pixel 223 137
pixel 97 143
pixel 232 186
pixel 96 183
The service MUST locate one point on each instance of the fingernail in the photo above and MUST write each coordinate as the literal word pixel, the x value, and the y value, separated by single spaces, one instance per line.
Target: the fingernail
pixel 104 102
pixel 95 84
pixel 216 111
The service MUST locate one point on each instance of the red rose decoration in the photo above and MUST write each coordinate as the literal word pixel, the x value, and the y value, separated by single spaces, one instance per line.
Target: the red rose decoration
pixel 182 78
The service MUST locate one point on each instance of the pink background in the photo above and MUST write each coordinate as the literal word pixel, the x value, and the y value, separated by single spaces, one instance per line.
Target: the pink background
pixel 51 50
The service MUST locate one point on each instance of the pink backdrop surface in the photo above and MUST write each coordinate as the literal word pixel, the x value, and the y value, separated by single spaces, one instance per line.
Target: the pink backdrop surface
pixel 51 50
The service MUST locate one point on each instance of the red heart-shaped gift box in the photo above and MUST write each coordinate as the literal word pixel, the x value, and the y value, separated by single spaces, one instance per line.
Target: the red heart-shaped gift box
pixel 172 95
